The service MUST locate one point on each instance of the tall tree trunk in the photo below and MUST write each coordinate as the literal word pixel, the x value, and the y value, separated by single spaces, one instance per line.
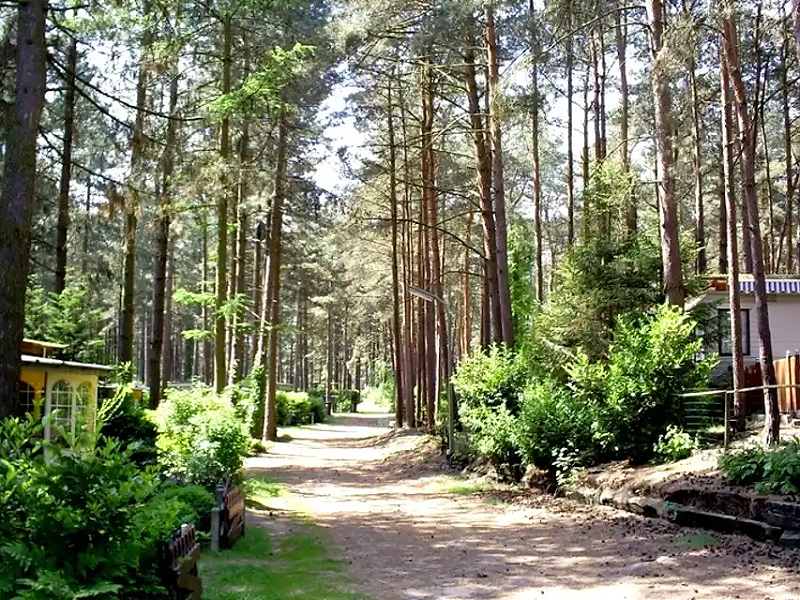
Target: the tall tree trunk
pixel 724 186
pixel 483 170
pixel 66 167
pixel 570 133
pixel 670 250
pixel 131 200
pixel 791 179
pixel 732 237
pixel 169 365
pixel 495 130
pixel 699 208
pixel 585 171
pixel 222 218
pixel 621 33
pixel 747 133
pixel 208 350
pixel 19 183
pixel 537 167
pixel 397 339
pixel 162 242
pixel 274 284
pixel 237 369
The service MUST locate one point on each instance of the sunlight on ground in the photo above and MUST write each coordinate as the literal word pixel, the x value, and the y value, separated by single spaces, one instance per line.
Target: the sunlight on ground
pixel 274 563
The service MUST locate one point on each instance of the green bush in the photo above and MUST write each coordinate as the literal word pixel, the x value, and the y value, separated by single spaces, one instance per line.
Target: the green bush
pixel 674 445
pixel 297 408
pixel 634 395
pixel 201 437
pixel 493 379
pixel 554 428
pixel 196 501
pixel 348 400
pixel 135 431
pixel 492 433
pixel 773 471
pixel 81 523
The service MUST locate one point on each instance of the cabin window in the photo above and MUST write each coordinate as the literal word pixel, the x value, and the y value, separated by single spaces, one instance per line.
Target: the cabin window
pixel 724 322
pixel 27 396
pixel 62 399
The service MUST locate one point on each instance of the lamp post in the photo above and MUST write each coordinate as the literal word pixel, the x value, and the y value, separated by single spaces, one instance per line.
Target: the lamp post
pixel 451 401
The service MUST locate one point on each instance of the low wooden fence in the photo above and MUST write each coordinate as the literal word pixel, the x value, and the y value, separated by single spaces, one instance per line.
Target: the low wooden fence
pixel 227 518
pixel 787 375
pixel 178 559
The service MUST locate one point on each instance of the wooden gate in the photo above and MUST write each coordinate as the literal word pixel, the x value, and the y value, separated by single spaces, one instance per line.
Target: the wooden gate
pixel 230 503
pixel 178 564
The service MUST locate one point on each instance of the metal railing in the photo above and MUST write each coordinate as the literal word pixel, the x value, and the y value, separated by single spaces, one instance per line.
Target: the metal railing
pixel 702 417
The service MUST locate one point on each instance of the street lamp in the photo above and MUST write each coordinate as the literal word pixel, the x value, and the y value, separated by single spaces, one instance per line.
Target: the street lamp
pixel 451 401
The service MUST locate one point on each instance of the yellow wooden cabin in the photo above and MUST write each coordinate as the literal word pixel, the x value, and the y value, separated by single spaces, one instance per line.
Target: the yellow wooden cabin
pixel 50 385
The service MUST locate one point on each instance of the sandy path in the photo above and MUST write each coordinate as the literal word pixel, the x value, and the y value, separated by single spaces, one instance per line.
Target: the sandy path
pixel 406 540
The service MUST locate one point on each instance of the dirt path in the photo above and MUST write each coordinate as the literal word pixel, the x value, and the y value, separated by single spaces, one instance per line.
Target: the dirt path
pixel 407 540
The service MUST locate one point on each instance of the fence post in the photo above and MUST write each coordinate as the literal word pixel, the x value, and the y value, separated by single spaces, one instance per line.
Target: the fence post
pixel 727 417
pixel 216 517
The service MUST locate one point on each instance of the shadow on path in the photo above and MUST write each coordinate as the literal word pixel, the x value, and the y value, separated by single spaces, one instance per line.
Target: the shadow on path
pixel 378 493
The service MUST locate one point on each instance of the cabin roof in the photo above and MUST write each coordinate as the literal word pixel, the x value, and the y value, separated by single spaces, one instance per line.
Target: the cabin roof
pixel 747 285
pixel 29 359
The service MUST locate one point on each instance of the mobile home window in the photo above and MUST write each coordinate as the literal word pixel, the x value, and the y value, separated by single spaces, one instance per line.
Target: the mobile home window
pixel 725 342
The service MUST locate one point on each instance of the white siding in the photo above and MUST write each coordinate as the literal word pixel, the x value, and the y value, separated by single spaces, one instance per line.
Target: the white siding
pixel 784 319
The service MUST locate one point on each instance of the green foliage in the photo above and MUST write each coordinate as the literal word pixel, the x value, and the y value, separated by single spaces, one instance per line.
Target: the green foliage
pixel 196 503
pixel 348 400
pixel 634 394
pixel 68 318
pixel 621 408
pixel 135 431
pixel 81 523
pixel 599 280
pixel 201 438
pixel 260 92
pixel 298 408
pixel 674 445
pixel 493 379
pixel 554 429
pixel 521 253
pixel 771 471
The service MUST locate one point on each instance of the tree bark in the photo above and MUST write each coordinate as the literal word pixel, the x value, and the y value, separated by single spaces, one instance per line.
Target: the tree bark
pixel 162 243
pixel 732 237
pixel 222 218
pixel 19 183
pixel 274 284
pixel 570 133
pixel 747 132
pixel 62 228
pixel 397 339
pixel 237 368
pixel 483 170
pixel 621 31
pixel 537 167
pixel 495 130
pixel 668 213
pixel 132 201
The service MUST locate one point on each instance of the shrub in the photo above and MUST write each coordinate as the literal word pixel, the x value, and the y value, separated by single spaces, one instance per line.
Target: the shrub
pixel 674 445
pixel 554 430
pixel 131 426
pixel 196 503
pixel 494 379
pixel 297 408
pixel 635 394
pixel 79 524
pixel 201 438
pixel 492 434
pixel 774 471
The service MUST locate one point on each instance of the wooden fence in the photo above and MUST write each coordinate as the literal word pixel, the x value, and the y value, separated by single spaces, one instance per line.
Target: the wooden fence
pixel 178 563
pixel 787 373
pixel 227 518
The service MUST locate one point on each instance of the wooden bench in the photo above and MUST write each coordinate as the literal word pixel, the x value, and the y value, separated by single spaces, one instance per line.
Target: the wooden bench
pixel 178 559
pixel 227 521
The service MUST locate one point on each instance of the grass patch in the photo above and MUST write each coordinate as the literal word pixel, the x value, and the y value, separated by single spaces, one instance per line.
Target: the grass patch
pixel 463 487
pixel 258 568
pixel 260 490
